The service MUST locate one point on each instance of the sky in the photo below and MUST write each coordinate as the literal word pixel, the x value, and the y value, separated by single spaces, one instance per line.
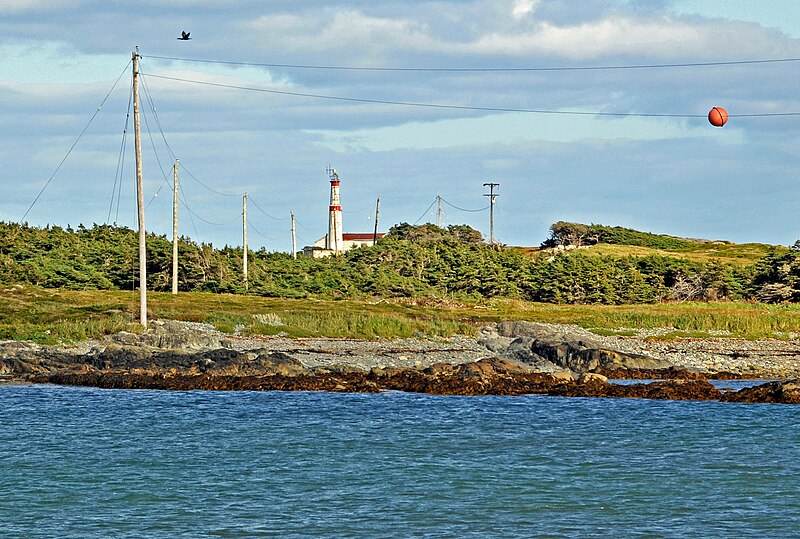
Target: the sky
pixel 408 101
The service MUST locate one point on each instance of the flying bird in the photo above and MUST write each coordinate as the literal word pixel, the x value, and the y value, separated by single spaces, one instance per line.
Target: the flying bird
pixel 184 36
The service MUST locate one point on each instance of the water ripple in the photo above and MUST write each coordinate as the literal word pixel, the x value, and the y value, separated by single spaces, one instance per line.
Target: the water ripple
pixel 82 462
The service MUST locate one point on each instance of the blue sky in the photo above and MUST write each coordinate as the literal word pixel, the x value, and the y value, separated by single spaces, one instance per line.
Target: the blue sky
pixel 674 174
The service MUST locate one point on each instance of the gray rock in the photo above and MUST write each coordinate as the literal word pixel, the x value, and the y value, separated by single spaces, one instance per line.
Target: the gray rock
pixel 589 377
pixel 522 349
pixel 174 335
pixel 570 348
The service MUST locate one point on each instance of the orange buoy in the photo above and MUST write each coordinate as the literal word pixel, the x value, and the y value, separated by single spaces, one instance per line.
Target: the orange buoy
pixel 718 116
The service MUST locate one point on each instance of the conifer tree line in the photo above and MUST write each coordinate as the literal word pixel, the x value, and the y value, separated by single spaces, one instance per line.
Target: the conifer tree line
pixel 411 261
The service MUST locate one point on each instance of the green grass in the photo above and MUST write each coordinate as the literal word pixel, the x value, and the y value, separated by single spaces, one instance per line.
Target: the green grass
pixel 737 253
pixel 50 316
pixel 740 319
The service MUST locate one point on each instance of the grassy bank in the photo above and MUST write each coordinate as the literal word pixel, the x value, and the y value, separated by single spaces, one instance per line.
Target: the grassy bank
pixel 51 316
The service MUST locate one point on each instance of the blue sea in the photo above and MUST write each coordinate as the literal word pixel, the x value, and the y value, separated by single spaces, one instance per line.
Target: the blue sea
pixel 85 462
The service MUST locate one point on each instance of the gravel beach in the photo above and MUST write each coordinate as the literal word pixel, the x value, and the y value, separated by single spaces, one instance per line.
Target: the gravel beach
pixel 762 359
pixel 767 359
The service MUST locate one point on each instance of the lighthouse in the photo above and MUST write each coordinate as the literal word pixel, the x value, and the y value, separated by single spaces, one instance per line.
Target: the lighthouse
pixel 335 241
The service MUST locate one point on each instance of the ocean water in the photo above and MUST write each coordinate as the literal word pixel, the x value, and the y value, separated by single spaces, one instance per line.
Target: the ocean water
pixel 84 462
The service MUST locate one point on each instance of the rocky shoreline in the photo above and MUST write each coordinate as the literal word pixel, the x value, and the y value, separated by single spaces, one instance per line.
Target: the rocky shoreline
pixel 510 358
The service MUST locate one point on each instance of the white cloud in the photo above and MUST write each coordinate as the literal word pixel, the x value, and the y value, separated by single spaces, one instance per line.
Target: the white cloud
pixel 362 35
pixel 13 7
pixel 658 174
pixel 515 128
pixel 523 8
pixel 665 37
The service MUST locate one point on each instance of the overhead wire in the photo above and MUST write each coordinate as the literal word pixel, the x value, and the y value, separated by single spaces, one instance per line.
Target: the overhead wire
pixel 120 162
pixel 421 217
pixel 301 225
pixel 250 226
pixel 385 102
pixel 169 148
pixel 482 69
pixel 250 199
pixel 165 181
pixel 184 200
pixel 458 107
pixel 211 189
pixel 153 144
pixel 207 221
pixel 80 136
pixel 463 209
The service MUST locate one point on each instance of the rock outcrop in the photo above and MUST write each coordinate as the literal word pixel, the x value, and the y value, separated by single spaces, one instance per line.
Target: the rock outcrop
pixel 523 358
pixel 781 392
pixel 550 349
pixel 492 376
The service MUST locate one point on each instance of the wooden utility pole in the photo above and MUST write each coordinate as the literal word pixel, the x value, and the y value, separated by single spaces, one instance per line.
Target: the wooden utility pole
pixel 439 214
pixel 294 237
pixel 139 194
pixel 491 196
pixel 377 213
pixel 175 227
pixel 244 239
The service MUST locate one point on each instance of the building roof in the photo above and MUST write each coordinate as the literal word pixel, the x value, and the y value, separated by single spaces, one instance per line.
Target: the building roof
pixel 361 236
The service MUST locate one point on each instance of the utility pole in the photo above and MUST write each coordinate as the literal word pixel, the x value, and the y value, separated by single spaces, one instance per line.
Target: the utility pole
pixel 491 196
pixel 244 239
pixel 139 195
pixel 377 212
pixel 439 214
pixel 175 228
pixel 294 237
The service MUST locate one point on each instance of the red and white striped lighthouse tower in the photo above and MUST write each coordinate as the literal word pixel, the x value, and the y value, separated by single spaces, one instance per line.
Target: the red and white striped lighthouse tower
pixel 334 240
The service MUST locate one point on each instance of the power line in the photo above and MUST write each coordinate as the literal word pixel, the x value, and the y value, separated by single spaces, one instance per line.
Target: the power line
pixel 468 107
pixel 463 209
pixel 484 69
pixel 120 164
pixel 183 198
pixel 169 148
pixel 301 225
pixel 153 144
pixel 250 226
pixel 192 176
pixel 435 200
pixel 206 221
pixel 452 107
pixel 53 175
pixel 250 199
pixel 186 205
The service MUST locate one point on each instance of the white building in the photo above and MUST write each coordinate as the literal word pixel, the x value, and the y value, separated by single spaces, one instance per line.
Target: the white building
pixel 347 242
